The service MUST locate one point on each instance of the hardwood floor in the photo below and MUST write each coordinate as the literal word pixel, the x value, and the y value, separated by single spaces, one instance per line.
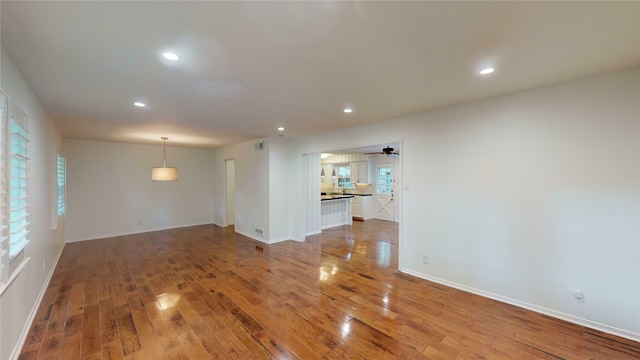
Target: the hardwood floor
pixel 205 292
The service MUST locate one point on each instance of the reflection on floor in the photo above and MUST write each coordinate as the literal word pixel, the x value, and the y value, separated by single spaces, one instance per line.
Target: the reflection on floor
pixel 206 292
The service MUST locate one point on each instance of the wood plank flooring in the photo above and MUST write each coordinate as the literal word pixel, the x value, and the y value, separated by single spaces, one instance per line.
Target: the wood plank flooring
pixel 205 292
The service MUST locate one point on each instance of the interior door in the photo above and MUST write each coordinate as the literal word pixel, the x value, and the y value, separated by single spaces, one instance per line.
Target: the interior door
pixel 383 196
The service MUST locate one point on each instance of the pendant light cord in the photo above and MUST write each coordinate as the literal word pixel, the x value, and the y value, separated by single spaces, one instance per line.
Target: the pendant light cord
pixel 164 152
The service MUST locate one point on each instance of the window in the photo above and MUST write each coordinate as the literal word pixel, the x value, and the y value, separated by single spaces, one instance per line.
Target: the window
pixel 61 180
pixel 383 180
pixel 4 239
pixel 343 172
pixel 18 156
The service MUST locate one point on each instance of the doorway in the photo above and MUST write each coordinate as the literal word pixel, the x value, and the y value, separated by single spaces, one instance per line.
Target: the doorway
pixel 230 192
pixel 383 196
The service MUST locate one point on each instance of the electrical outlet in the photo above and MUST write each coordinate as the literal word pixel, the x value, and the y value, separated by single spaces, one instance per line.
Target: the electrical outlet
pixel 425 258
pixel 139 222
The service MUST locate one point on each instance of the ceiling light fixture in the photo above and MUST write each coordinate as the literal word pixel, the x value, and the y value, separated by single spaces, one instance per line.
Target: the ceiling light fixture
pixel 487 71
pixel 164 173
pixel 170 56
pixel 139 104
pixel 280 128
pixel 348 110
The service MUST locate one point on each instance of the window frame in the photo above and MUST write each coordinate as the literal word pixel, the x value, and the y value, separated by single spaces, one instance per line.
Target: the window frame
pixel 61 185
pixel 5 268
pixel 11 266
pixel 17 181
pixel 387 184
pixel 343 176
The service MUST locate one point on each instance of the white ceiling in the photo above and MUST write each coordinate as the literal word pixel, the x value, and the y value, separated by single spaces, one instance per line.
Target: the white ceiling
pixel 249 67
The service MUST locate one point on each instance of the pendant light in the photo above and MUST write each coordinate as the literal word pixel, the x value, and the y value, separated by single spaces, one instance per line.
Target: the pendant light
pixel 164 173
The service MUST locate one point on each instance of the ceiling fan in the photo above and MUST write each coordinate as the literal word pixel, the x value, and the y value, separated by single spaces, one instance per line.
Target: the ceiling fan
pixel 389 151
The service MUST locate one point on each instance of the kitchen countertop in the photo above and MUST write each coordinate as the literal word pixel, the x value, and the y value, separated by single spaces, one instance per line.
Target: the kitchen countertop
pixel 335 197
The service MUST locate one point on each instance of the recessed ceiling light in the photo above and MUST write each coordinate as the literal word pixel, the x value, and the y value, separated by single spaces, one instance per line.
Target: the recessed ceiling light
pixel 170 56
pixel 487 71
pixel 139 104
pixel 280 128
pixel 348 110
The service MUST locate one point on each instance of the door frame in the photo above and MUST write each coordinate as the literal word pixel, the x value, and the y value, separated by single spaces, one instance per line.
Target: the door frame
pixel 226 191
pixel 403 186
pixel 392 195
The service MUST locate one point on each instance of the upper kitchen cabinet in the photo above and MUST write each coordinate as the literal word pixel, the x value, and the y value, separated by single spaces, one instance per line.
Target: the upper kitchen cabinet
pixel 360 172
pixel 350 169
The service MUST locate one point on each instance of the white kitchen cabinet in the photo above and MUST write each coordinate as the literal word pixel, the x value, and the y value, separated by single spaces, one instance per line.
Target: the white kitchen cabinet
pixel 362 207
pixel 356 207
pixel 359 172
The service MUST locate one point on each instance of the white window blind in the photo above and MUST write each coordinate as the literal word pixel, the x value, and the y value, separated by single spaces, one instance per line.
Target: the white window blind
pixel 61 176
pixel 4 238
pixel 18 156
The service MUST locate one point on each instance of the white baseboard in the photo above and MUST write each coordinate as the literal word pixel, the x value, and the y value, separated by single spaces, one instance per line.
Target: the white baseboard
pixel 262 240
pixel 251 236
pixel 539 309
pixel 27 326
pixel 273 241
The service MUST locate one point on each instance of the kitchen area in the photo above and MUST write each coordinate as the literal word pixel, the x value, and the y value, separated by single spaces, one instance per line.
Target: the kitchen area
pixel 357 186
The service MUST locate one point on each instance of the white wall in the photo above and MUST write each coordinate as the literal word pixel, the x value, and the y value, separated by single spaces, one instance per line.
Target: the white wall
pixel 19 302
pixel 280 158
pixel 252 188
pixel 526 197
pixel 110 189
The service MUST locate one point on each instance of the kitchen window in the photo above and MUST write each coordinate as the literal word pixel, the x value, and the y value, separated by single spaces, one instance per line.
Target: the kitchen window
pixel 343 179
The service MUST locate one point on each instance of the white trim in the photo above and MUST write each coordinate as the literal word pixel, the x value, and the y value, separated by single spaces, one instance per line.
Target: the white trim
pixel 273 241
pixel 17 250
pixel 262 240
pixel 539 309
pixel 27 325
pixel 219 225
pixel 295 238
pixel 14 275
